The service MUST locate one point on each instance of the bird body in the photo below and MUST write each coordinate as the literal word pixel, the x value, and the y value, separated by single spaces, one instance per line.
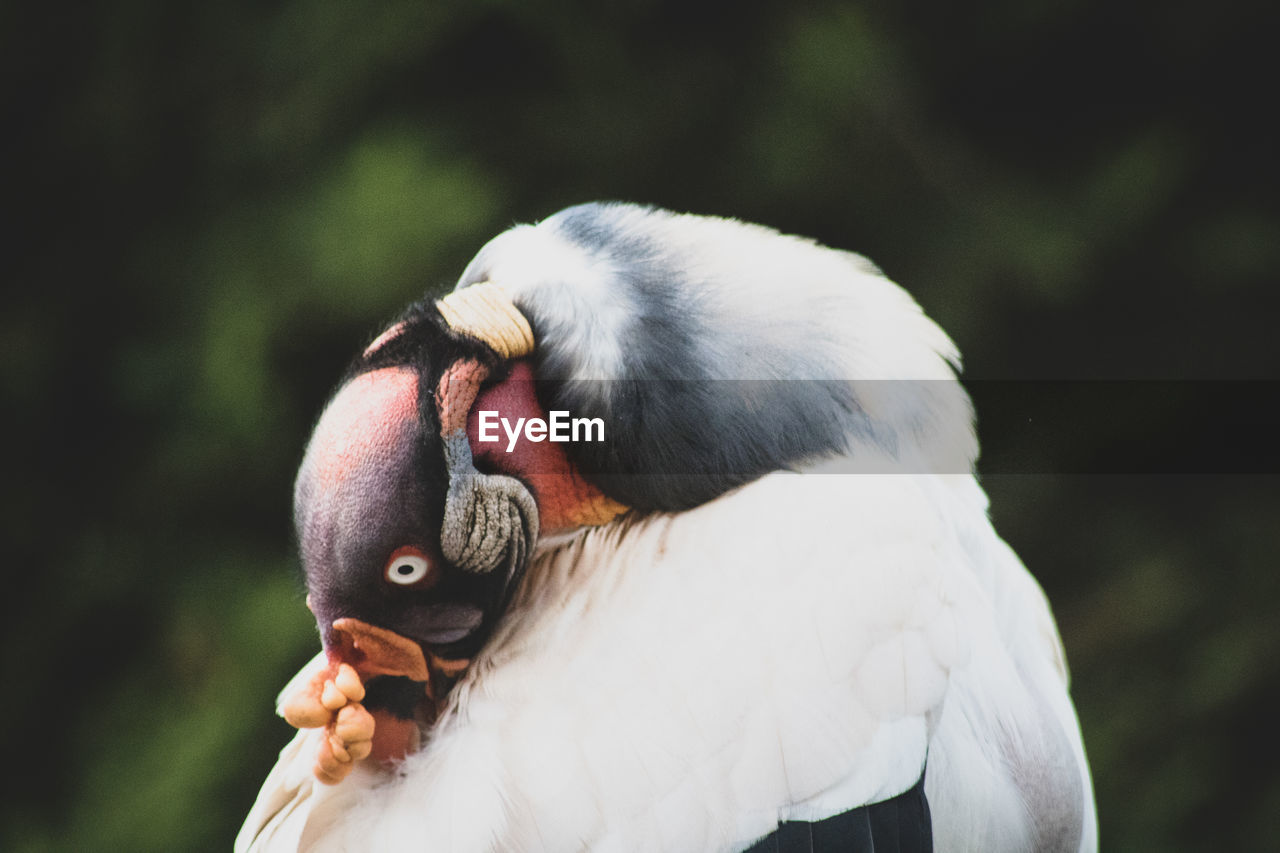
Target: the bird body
pixel 804 611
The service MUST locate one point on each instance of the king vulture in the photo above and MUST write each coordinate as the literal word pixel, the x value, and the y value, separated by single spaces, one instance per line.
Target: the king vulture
pixel 761 607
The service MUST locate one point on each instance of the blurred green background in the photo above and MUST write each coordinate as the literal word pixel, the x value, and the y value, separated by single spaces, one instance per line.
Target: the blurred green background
pixel 212 206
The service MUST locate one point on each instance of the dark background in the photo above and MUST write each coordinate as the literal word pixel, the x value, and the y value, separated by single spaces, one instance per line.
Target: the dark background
pixel 213 207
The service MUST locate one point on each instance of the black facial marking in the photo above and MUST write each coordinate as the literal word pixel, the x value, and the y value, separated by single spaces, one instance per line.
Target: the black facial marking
pixel 394 693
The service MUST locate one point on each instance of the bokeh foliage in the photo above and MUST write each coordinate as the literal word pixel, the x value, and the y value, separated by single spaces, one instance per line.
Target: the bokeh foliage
pixel 213 206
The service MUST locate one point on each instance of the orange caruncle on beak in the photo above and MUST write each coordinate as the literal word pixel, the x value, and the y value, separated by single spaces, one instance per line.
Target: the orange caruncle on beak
pixel 375 651
pixel 358 651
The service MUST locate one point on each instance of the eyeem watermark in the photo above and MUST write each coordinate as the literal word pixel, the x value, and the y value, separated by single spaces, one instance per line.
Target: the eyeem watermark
pixel 558 428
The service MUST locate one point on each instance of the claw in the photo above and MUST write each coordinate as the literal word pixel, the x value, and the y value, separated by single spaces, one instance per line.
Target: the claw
pixel 329 769
pixel 332 701
pixel 339 749
pixel 348 681
pixel 354 723
pixel 331 697
pixel 304 711
pixel 334 759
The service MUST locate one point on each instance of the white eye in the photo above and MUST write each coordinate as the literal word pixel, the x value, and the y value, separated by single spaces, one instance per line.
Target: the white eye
pixel 407 568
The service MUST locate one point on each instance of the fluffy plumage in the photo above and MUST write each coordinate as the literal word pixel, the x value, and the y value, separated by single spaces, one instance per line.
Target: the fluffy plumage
pixel 806 608
pixel 719 351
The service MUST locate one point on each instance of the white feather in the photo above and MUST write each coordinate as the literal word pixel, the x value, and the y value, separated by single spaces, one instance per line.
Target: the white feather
pixel 768 306
pixel 653 691
pixel 791 650
pixel 534 264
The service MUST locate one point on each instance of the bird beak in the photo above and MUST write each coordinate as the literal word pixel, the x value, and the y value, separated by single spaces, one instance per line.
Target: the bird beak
pixel 364 652
pixel 371 651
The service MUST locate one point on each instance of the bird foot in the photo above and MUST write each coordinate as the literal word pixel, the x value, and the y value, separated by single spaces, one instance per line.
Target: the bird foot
pixel 332 701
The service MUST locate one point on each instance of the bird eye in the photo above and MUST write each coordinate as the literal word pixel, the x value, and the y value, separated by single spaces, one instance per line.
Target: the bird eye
pixel 407 567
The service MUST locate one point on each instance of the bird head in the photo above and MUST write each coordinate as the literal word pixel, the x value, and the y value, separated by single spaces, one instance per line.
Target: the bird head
pixel 715 351
pixel 413 534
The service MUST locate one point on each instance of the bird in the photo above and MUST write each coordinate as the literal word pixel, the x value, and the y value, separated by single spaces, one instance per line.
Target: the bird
pixel 758 604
